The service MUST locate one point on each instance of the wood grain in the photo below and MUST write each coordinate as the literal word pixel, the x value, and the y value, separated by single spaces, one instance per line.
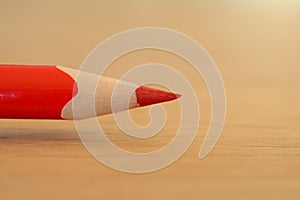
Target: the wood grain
pixel 256 46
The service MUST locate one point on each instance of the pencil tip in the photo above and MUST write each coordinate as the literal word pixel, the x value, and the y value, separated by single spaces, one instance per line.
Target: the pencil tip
pixel 178 95
pixel 148 96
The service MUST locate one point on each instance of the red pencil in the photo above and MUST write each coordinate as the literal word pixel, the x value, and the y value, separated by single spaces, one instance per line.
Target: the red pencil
pixel 48 92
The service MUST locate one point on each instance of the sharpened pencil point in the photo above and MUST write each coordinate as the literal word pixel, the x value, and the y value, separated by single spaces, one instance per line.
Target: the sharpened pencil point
pixel 148 96
pixel 178 95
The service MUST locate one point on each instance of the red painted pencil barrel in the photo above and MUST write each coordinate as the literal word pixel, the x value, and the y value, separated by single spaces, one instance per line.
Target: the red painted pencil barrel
pixel 35 92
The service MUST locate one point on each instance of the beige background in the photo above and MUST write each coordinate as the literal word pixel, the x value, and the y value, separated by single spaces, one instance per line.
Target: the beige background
pixel 256 46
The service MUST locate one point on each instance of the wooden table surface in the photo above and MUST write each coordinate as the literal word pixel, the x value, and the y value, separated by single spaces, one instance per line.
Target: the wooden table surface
pixel 256 46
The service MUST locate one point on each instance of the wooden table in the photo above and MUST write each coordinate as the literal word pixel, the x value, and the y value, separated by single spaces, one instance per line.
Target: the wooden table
pixel 256 47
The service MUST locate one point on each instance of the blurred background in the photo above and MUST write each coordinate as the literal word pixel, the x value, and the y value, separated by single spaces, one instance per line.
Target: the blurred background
pixel 255 45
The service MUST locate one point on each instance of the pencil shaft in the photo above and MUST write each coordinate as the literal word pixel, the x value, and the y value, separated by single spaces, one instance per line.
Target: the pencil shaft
pixel 50 92
pixel 34 91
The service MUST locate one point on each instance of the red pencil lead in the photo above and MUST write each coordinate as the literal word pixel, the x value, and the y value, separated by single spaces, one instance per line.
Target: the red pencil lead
pixel 148 96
